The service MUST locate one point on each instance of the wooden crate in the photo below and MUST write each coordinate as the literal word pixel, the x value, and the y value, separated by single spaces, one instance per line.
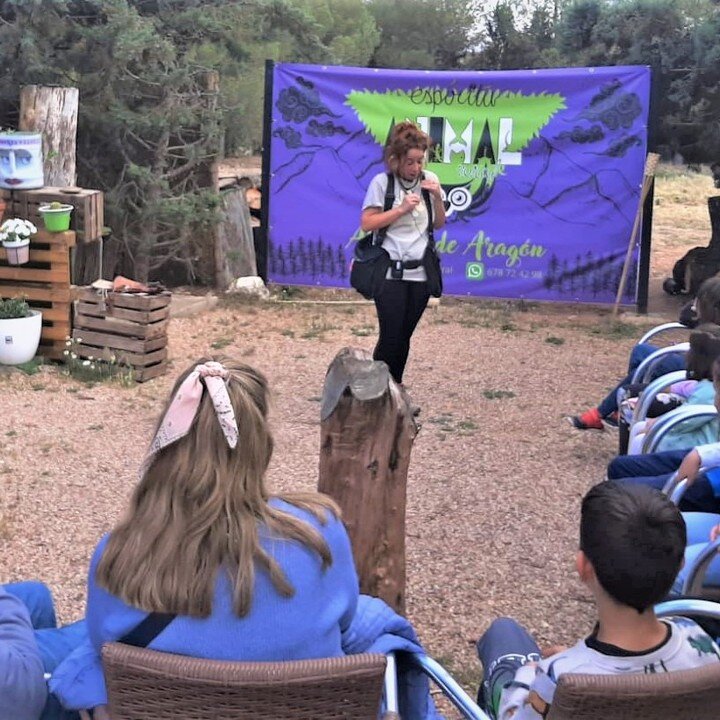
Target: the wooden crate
pixel 86 220
pixel 45 283
pixel 131 326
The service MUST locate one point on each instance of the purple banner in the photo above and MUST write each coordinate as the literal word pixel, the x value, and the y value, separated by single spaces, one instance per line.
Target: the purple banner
pixel 542 169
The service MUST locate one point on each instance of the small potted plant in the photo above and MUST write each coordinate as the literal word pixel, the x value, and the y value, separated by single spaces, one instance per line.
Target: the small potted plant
pixel 20 330
pixel 56 216
pixel 15 236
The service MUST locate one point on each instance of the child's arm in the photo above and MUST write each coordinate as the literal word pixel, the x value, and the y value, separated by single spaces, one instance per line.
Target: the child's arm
pixel 528 696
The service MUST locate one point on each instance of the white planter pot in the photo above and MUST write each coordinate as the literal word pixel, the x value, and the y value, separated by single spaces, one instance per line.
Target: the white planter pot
pixel 19 338
pixel 18 252
pixel 22 166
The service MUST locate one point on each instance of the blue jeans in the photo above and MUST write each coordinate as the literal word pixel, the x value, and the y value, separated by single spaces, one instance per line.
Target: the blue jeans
pixel 655 469
pixel 637 355
pixel 53 642
pixel 503 648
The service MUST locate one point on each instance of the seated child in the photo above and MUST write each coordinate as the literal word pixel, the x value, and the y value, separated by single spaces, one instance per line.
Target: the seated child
pixel 632 540
pixel 699 389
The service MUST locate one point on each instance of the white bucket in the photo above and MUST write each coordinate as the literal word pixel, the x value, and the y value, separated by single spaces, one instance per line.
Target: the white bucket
pixel 21 160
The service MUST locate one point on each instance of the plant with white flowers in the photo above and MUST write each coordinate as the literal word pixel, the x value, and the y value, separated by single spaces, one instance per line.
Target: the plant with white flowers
pixel 16 230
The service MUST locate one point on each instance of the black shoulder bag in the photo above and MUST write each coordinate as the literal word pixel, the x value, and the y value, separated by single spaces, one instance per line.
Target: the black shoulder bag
pixel 147 630
pixel 431 261
pixel 371 262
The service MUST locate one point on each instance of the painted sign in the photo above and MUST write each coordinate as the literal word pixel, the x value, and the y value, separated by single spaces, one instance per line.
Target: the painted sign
pixel 541 171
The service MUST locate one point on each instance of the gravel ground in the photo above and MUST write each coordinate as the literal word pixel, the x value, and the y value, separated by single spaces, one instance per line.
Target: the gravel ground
pixel 495 479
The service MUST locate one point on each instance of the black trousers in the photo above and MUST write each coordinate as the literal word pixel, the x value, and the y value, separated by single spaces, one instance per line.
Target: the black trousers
pixel 400 306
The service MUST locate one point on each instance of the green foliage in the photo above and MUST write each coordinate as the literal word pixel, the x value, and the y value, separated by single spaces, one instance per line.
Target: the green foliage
pixel 13 308
pixel 106 367
pixel 431 34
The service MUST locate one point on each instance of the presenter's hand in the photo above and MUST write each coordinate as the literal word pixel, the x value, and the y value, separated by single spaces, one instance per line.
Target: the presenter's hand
pixel 690 466
pixel 409 203
pixel 433 187
pixel 715 533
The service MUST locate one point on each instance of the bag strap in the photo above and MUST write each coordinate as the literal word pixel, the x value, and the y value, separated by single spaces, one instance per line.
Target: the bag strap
pixel 147 630
pixel 428 205
pixel 389 200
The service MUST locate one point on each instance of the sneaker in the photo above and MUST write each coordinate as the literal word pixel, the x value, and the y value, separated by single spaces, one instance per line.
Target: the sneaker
pixel 589 420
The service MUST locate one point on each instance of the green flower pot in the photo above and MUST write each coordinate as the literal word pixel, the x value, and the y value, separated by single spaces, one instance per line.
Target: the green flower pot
pixel 56 219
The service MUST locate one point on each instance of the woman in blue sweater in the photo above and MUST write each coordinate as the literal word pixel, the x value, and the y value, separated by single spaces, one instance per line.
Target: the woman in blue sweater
pixel 245 574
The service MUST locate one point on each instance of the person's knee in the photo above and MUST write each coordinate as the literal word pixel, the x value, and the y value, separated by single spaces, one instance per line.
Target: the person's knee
pixel 502 627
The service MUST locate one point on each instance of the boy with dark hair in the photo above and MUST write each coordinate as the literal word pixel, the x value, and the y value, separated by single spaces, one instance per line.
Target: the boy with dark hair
pixel 632 540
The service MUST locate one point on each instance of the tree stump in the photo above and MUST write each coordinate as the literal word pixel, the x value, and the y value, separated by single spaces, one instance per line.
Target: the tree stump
pixel 366 434
pixel 53 111
pixel 234 249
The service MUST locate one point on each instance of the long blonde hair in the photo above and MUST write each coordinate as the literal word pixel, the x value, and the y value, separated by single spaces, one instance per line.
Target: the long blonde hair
pixel 199 507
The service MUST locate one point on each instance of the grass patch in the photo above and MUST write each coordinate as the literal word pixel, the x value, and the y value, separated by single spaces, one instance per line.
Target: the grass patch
pixel 363 330
pixel 317 331
pixel 498 394
pixel 221 343
pixel 31 367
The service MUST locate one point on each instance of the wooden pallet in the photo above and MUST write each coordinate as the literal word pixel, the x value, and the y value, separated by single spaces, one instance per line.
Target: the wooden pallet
pixel 86 220
pixel 132 327
pixel 45 282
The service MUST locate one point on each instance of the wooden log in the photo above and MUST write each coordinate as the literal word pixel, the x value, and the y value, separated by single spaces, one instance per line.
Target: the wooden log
pixel 366 434
pixel 53 111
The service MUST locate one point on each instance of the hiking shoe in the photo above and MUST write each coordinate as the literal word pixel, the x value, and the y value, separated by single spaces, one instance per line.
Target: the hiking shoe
pixel 589 420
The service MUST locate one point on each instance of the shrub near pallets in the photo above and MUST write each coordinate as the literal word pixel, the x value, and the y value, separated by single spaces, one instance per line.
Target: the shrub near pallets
pixel 130 326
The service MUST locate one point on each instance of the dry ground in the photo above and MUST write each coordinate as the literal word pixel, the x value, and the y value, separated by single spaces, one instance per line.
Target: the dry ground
pixel 496 474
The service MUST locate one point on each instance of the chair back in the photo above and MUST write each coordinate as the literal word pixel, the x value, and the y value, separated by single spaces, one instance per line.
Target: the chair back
pixel 144 684
pixel 660 696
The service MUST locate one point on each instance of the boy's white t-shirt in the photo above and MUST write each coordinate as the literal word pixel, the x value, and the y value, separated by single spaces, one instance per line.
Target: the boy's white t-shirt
pixel 688 646
pixel 407 237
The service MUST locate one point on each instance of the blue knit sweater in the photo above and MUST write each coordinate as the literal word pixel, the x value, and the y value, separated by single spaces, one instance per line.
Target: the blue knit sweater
pixel 307 625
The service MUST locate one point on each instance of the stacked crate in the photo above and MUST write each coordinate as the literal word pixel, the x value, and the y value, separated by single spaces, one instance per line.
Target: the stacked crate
pixel 130 326
pixel 45 282
pixel 86 220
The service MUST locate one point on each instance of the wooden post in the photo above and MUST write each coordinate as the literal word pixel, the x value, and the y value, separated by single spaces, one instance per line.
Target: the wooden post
pixel 366 434
pixel 53 111
pixel 651 163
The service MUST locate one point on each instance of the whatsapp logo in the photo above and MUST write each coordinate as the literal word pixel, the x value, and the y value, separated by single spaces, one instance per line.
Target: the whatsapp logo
pixel 475 271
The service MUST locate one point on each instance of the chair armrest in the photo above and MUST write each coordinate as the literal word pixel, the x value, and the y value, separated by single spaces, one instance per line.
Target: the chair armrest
pixel 665 423
pixel 696 570
pixel 689 606
pixel 449 686
pixel 390 689
pixel 648 394
pixel 654 332
pixel 644 368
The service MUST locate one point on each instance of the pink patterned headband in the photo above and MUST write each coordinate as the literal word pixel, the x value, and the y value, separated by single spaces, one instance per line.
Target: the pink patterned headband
pixel 184 406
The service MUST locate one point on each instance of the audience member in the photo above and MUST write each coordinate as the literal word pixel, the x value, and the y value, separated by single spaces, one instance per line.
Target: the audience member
pixel 632 540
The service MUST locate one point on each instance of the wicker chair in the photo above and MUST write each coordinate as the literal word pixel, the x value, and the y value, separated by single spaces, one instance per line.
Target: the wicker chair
pixel 679 695
pixel 148 685
pixel 691 694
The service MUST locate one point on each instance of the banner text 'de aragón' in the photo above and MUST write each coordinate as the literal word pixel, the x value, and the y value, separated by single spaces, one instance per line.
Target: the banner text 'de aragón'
pixel 542 171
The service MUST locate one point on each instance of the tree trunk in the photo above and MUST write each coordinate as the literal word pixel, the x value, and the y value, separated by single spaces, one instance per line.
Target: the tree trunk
pixel 53 111
pixel 234 248
pixel 366 435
